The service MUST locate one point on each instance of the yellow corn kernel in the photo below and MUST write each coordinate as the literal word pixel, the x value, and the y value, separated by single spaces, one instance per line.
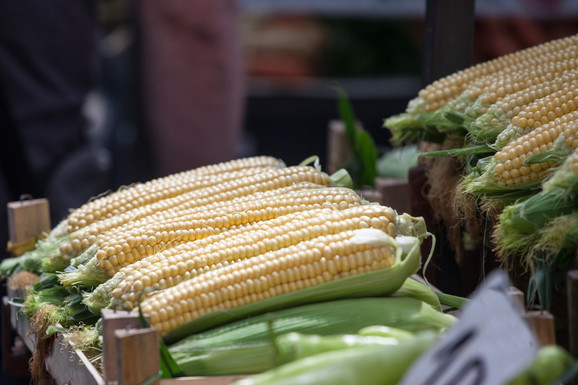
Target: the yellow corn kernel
pixel 273 180
pixel 440 92
pixel 144 193
pixel 512 170
pixel 285 270
pixel 188 226
pixel 254 241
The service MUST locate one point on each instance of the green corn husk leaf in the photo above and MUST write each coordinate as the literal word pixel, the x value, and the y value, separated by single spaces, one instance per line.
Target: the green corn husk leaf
pixel 406 130
pixel 382 365
pixel 471 150
pixel 248 346
pixel 377 283
pixel 412 288
pixel 35 260
pixel 487 127
pixel 85 275
pixel 294 345
pixel 482 183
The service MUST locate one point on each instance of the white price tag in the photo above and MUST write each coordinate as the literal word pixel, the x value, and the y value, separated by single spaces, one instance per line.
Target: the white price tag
pixel 489 345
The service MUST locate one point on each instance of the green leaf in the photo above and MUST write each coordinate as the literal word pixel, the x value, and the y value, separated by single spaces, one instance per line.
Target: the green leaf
pixel 455 118
pixel 361 144
pixel 546 156
pixel 543 278
pixel 367 154
pixel 480 149
pixel 347 116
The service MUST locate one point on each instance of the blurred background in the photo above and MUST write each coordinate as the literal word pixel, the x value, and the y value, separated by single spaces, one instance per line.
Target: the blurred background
pixel 161 88
pixel 99 94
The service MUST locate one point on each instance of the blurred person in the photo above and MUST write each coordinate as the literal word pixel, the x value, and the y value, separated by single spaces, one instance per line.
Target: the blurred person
pixel 192 81
pixel 48 66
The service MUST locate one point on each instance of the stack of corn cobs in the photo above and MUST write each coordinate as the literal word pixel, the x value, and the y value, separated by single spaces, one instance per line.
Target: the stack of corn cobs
pixel 251 266
pixel 248 267
pixel 224 257
pixel 510 128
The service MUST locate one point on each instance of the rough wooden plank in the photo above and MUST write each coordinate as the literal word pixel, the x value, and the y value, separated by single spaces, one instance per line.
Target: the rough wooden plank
pixel 67 365
pixel 338 148
pixel 542 323
pixel 113 320
pixel 28 219
pixel 394 193
pixel 137 356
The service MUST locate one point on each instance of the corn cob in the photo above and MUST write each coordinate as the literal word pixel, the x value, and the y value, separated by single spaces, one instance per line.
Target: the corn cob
pixel 525 162
pixel 442 91
pixel 161 188
pixel 538 226
pixel 295 346
pixel 560 104
pixel 54 252
pixel 123 249
pixel 492 120
pixel 374 365
pixel 306 264
pixel 177 265
pixel 463 87
pixel 547 367
pixel 225 349
pixel 490 90
pixel 102 295
pixel 221 191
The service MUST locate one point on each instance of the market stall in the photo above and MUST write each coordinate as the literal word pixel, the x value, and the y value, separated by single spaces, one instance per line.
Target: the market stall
pixel 254 271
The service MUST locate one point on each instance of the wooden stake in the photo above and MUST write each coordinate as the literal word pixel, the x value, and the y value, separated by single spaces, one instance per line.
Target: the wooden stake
pixel 137 356
pixel 27 220
pixel 542 323
pixel 113 320
pixel 394 193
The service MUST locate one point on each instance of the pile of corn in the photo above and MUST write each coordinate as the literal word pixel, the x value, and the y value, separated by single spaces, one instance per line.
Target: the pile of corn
pixel 201 251
pixel 506 131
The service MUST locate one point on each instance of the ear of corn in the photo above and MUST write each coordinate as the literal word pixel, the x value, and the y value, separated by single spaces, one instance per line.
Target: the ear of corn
pixel 181 263
pixel 546 113
pixel 495 118
pixel 124 248
pixel 161 188
pixel 522 164
pixel 57 249
pixel 326 279
pixel 382 365
pixel 519 223
pixel 220 189
pixel 194 354
pixel 542 230
pixel 489 80
pixel 295 346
